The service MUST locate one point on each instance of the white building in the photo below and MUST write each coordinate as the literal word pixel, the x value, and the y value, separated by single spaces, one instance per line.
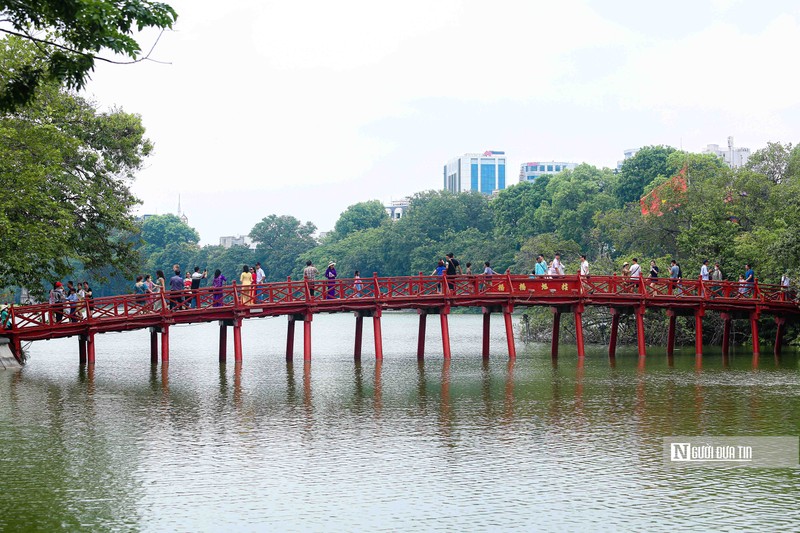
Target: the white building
pixel 397 208
pixel 630 152
pixel 533 169
pixel 483 173
pixel 733 157
pixel 231 240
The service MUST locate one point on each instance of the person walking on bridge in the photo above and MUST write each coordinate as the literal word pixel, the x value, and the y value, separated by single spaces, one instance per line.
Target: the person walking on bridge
pixel 540 268
pixel 175 286
pixel 246 279
pixel 558 267
pixel 704 273
pixel 310 274
pixel 584 267
pixel 330 275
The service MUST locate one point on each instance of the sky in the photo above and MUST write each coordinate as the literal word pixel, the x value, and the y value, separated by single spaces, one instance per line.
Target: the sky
pixel 304 108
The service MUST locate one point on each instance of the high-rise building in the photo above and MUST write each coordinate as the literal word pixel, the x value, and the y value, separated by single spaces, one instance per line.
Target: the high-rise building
pixel 630 152
pixel 233 240
pixel 733 157
pixel 483 173
pixel 532 170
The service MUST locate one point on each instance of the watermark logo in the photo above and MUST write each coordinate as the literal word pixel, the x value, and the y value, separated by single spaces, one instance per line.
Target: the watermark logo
pixel 769 452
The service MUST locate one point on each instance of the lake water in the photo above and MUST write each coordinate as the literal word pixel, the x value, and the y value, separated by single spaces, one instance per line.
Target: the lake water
pixel 338 445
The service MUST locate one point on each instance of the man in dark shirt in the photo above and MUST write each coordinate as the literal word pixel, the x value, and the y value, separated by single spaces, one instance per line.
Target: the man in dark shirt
pixel 175 284
pixel 453 268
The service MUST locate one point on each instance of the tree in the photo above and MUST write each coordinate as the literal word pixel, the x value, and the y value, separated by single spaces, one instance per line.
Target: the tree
pixel 158 231
pixel 281 240
pixel 65 170
pixel 772 161
pixel 637 172
pixel 360 216
pixel 69 35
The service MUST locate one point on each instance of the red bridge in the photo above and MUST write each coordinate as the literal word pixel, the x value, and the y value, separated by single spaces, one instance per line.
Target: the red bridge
pixel 369 297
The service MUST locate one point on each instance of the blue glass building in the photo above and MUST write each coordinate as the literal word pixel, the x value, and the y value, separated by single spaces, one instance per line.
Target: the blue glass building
pixel 484 173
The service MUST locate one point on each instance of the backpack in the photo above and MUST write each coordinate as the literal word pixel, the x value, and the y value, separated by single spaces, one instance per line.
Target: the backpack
pixel 59 297
pixel 680 272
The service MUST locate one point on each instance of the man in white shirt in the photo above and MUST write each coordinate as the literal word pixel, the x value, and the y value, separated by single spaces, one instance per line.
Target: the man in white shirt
pixel 558 268
pixel 584 266
pixel 636 269
pixel 704 271
pixel 259 273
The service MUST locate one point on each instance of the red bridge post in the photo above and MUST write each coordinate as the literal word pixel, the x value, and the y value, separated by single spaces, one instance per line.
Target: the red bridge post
pixel 290 337
pixel 512 348
pixel 487 317
pixel 164 344
pixel 726 333
pixel 237 341
pixel 443 312
pixel 671 332
pixel 754 331
pixel 376 330
pixel 577 311
pixel 612 342
pixel 359 328
pixel 153 346
pixel 82 350
pixel 90 348
pixel 698 331
pixel 423 320
pixel 556 331
pixel 640 330
pixel 223 341
pixel 307 318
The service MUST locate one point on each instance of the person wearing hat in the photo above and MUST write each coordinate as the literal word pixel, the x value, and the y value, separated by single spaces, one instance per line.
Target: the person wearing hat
pixel 330 275
pixel 5 316
pixel 57 297
pixel 704 271
pixel 626 269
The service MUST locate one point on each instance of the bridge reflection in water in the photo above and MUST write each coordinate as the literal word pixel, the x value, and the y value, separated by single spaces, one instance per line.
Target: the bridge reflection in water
pixel 299 301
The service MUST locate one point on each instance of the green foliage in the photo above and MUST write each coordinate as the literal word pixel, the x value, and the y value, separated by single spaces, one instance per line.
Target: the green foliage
pixel 69 35
pixel 160 231
pixel 281 241
pixel 638 171
pixel 360 216
pixel 65 169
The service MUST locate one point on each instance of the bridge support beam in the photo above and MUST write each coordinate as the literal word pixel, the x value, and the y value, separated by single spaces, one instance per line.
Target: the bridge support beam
pixel 754 332
pixel 307 318
pixel 698 331
pixel 443 312
pixel 376 330
pixel 90 349
pixel 290 337
pixel 639 312
pixel 487 318
pixel 556 332
pixel 726 333
pixel 612 341
pixel 223 341
pixel 82 350
pixel 671 332
pixel 164 344
pixel 237 341
pixel 423 322
pixel 780 322
pixel 512 347
pixel 154 346
pixel 359 333
pixel 577 310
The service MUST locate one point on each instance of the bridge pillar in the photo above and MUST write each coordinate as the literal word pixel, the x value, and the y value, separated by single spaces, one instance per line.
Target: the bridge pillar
pixel 487 317
pixel 290 337
pixel 165 344
pixel 307 318
pixel 577 311
pixel 445 331
pixel 512 348
pixel 223 341
pixel 90 349
pixel 423 320
pixel 671 332
pixel 237 341
pixel 153 346
pixel 359 330
pixel 726 333
pixel 780 322
pixel 82 350
pixel 640 331
pixel 376 330
pixel 698 331
pixel 556 332
pixel 754 331
pixel 612 342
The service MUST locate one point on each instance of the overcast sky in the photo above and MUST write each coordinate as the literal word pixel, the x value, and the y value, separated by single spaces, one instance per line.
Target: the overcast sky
pixel 304 108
